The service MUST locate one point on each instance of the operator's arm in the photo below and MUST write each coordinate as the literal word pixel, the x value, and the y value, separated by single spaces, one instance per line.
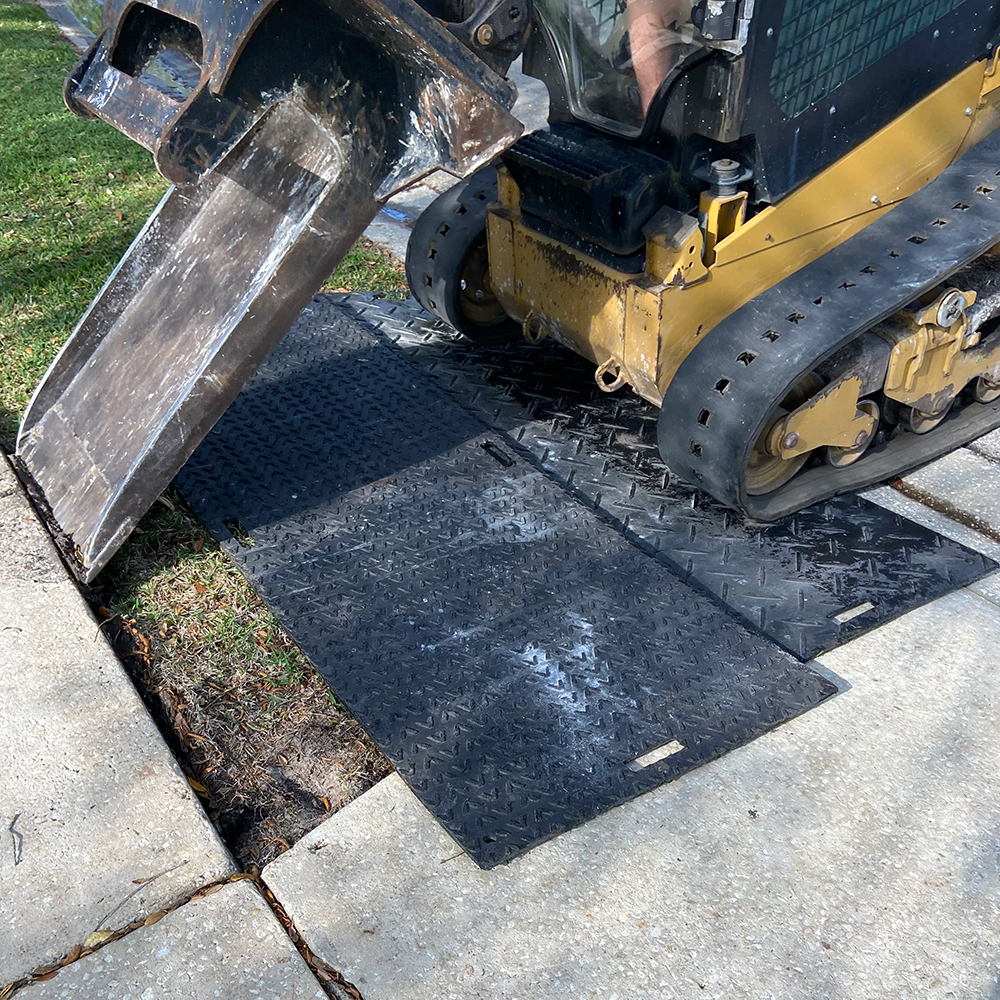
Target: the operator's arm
pixel 652 38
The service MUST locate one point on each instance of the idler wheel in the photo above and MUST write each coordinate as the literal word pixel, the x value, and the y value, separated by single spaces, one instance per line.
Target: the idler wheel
pixel 921 422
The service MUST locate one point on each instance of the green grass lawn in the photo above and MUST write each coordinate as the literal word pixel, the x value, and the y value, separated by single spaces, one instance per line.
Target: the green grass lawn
pixel 257 729
pixel 72 197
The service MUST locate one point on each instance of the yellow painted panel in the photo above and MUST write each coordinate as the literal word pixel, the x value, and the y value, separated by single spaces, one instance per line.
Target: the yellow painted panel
pixel 651 327
pixel 890 166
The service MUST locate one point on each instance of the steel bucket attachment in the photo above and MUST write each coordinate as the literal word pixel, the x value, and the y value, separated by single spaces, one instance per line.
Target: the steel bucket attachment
pixel 284 127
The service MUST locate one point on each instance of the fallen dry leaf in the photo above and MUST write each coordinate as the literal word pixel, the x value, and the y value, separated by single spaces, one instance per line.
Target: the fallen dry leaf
pixel 96 939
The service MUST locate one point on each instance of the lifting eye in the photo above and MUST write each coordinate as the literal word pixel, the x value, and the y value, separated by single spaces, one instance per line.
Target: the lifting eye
pixel 704 417
pixel 746 357
pixel 722 386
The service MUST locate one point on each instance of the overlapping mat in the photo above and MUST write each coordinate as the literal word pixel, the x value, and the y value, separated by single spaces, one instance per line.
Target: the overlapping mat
pixel 509 642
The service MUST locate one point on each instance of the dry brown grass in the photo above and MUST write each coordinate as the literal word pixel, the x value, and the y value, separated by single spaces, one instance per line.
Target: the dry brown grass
pixel 264 740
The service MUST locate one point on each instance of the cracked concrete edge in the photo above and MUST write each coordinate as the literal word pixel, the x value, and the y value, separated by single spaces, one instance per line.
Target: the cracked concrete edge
pixel 108 828
pixel 332 981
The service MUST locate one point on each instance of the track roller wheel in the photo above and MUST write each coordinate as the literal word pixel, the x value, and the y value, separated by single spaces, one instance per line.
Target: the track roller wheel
pixel 766 472
pixel 839 457
pixel 985 391
pixel 921 422
pixel 447 265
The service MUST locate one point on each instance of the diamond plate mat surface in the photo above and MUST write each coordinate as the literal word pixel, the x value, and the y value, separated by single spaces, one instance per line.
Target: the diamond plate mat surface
pixel 510 650
pixel 800 581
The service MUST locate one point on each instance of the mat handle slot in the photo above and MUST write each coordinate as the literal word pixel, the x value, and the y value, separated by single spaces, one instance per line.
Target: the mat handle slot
pixel 655 755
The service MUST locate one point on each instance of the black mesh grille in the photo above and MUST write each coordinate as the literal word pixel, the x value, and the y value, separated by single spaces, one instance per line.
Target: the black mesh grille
pixel 823 43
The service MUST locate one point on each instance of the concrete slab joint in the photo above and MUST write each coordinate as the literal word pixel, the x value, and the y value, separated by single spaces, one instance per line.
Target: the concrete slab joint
pixel 226 945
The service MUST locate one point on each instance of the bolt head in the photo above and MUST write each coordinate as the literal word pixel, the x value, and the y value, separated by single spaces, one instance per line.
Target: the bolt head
pixel 951 309
pixel 484 34
pixel 861 440
pixel 790 440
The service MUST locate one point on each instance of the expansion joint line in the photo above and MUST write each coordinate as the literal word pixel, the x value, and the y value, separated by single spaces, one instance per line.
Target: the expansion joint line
pixel 334 984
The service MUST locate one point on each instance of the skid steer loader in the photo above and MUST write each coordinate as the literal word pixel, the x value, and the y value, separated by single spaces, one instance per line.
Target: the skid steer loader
pixel 772 218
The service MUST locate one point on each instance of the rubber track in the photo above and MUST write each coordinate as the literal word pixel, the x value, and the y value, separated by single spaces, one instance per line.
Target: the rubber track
pixel 717 405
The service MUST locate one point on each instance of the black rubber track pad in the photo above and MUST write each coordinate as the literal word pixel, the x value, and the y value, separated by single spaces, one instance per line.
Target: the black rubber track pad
pixel 797 581
pixel 510 651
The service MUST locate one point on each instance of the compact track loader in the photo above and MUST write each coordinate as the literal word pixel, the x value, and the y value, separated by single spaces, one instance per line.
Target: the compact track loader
pixel 775 219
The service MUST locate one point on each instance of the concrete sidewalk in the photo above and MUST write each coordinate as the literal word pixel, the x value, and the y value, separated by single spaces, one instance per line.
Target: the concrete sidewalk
pixel 853 853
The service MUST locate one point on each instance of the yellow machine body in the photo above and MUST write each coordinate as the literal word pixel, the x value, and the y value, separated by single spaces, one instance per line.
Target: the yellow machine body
pixel 637 329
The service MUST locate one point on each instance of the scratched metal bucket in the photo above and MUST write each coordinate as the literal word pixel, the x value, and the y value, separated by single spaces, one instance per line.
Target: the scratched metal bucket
pixel 284 128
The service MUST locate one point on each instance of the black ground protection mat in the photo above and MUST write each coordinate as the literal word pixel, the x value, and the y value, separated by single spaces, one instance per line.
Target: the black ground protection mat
pixel 510 651
pixel 800 581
